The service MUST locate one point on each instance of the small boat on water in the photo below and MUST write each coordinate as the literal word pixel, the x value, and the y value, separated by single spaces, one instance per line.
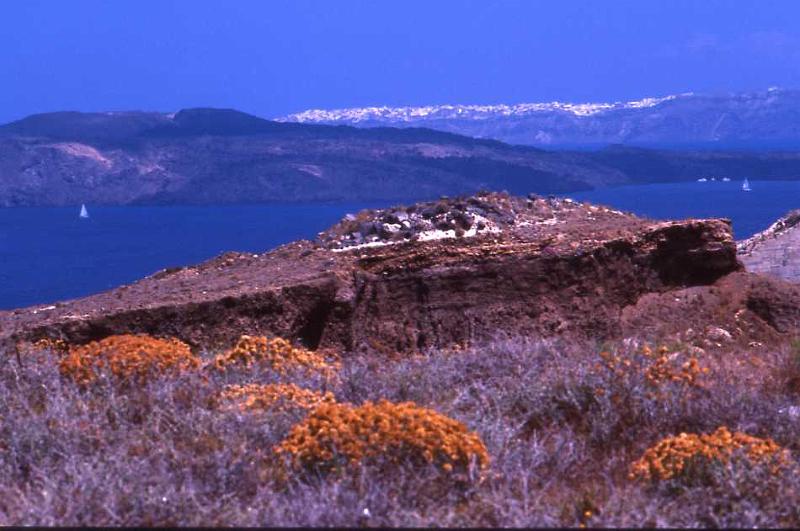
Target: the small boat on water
pixel 746 185
pixel 702 180
pixel 726 179
pixel 84 213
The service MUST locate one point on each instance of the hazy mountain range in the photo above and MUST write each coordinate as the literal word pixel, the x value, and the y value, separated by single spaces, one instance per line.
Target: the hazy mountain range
pixel 213 156
pixel 767 119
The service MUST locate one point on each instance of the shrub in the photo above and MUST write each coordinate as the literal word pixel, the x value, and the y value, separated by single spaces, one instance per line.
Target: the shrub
pixel 162 454
pixel 676 456
pixel 127 357
pixel 255 397
pixel 46 343
pixel 278 353
pixel 658 367
pixel 336 434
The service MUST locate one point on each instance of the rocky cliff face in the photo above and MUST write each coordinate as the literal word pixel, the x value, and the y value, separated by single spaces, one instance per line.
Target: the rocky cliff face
pixel 443 273
pixel 764 119
pixel 776 250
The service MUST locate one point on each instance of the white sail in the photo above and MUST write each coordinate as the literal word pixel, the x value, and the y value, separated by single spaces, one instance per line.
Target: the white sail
pixel 746 185
pixel 84 213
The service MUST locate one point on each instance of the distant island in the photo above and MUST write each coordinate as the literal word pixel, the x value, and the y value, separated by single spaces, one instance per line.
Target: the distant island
pixel 220 156
pixel 761 119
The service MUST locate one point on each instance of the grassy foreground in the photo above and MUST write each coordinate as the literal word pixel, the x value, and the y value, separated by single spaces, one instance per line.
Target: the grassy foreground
pixel 510 433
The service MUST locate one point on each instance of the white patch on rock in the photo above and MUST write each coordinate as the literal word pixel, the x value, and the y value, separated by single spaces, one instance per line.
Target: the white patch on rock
pixel 716 333
pixel 84 151
pixel 551 221
pixel 791 411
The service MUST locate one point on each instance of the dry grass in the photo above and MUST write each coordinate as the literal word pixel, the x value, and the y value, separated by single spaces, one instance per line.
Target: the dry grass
pixel 263 397
pixel 559 432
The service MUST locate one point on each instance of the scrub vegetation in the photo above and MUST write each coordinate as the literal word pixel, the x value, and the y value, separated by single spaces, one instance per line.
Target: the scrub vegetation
pixel 512 432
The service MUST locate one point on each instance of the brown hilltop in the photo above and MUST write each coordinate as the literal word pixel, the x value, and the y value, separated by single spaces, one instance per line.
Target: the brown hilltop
pixel 448 272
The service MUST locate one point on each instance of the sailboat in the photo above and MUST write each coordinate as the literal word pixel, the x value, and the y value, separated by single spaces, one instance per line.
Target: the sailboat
pixel 84 213
pixel 746 185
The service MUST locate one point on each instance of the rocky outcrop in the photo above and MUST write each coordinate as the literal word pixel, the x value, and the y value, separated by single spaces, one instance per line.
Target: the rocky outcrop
pixel 740 309
pixel 776 250
pixel 539 267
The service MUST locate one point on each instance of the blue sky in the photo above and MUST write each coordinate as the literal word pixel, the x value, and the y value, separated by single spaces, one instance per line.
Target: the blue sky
pixel 272 57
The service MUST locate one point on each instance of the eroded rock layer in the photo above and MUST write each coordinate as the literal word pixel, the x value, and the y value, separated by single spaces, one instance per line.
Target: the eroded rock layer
pixel 541 267
pixel 776 250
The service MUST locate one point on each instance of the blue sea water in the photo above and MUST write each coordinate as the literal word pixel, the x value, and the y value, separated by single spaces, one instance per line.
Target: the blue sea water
pixel 750 212
pixel 49 254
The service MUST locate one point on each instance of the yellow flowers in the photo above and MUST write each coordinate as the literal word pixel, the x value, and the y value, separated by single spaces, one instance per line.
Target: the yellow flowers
pixel 277 352
pixel 665 369
pixel 659 367
pixel 672 456
pixel 255 397
pixel 56 345
pixel 353 433
pixel 127 357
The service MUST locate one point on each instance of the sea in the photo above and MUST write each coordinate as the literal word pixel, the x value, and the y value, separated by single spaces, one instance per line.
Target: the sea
pixel 50 254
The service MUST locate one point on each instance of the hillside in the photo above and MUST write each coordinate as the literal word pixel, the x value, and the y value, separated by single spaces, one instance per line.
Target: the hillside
pixel 223 156
pixel 213 156
pixel 767 119
pixel 483 361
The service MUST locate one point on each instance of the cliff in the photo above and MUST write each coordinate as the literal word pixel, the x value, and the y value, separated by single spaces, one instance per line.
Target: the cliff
pixel 764 119
pixel 448 272
pixel 217 156
pixel 776 250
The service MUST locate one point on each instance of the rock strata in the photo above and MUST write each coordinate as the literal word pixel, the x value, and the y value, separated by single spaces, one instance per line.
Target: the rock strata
pixel 537 266
pixel 776 250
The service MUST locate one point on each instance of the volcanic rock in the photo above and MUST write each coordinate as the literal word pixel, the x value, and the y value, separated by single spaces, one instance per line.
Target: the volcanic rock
pixel 537 267
pixel 776 250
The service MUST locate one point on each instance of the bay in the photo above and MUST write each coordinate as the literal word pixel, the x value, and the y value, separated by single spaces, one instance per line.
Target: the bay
pixel 750 212
pixel 49 254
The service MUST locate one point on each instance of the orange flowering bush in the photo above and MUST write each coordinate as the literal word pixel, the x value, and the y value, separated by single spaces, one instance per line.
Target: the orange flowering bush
pixel 127 357
pixel 277 352
pixel 658 368
pixel 255 397
pixel 674 456
pixel 44 344
pixel 336 434
pixel 56 345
